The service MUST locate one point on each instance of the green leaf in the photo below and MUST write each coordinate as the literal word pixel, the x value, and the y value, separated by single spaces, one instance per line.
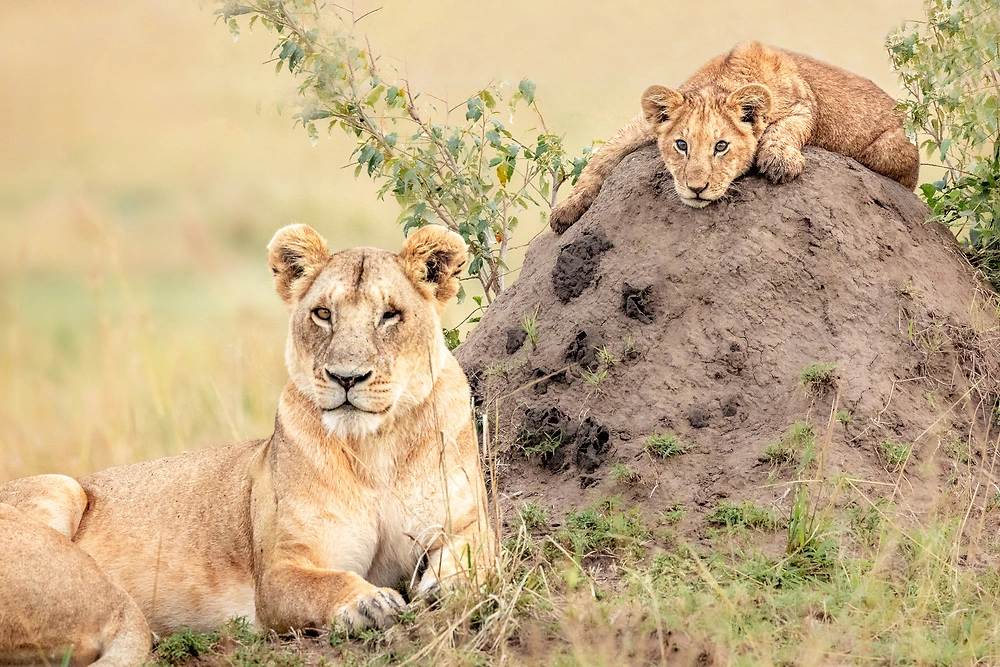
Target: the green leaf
pixel 475 111
pixel 527 90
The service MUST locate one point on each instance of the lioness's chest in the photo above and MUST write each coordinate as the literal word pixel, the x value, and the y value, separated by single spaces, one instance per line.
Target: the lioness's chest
pixel 385 538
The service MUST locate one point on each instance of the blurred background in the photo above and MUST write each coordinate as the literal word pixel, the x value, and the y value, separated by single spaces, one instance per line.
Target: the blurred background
pixel 144 165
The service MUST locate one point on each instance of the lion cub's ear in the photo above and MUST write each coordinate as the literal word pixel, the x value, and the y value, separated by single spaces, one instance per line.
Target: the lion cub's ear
pixel 296 255
pixel 751 103
pixel 659 104
pixel 433 258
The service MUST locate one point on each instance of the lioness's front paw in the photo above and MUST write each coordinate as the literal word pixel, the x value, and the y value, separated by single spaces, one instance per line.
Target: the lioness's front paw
pixel 376 608
pixel 569 211
pixel 780 163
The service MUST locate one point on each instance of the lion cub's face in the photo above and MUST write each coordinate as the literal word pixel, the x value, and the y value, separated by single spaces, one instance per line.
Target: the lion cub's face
pixel 364 336
pixel 708 137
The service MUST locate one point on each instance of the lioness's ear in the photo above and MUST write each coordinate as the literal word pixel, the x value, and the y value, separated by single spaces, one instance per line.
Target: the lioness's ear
pixel 433 258
pixel 751 103
pixel 296 255
pixel 659 103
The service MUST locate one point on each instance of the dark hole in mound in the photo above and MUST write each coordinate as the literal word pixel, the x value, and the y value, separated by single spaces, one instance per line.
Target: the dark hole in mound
pixel 515 339
pixel 636 303
pixel 577 265
pixel 583 349
pixel 592 445
pixel 552 436
pixel 730 406
pixel 698 418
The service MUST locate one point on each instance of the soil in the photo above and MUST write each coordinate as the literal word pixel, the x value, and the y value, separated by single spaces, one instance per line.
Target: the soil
pixel 656 317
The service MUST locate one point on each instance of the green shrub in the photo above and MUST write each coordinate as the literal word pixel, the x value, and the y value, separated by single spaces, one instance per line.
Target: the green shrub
pixel 947 64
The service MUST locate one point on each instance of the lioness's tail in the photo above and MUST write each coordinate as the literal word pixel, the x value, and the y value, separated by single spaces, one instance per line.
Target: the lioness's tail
pixel 633 136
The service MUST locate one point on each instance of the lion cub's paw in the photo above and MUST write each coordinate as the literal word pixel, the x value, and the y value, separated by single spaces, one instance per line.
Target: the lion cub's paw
pixel 569 211
pixel 780 163
pixel 375 608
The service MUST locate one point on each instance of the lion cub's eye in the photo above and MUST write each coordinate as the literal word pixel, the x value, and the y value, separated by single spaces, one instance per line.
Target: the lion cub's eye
pixel 682 146
pixel 390 317
pixel 321 314
pixel 721 147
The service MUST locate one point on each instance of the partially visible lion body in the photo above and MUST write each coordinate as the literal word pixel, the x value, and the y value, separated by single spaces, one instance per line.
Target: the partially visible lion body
pixel 370 481
pixel 764 104
pixel 55 596
pixel 189 560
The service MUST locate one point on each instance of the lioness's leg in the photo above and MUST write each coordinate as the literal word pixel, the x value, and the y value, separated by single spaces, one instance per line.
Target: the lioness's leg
pixel 290 596
pixel 779 151
pixel 55 600
pixel 57 501
pixel 130 643
pixel 892 154
pixel 456 559
pixel 627 140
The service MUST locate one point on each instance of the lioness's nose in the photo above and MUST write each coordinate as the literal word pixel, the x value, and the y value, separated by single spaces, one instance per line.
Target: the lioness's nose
pixel 697 190
pixel 347 381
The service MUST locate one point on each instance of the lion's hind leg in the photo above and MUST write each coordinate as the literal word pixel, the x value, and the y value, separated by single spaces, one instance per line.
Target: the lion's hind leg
pixel 893 155
pixel 57 501
pixel 56 602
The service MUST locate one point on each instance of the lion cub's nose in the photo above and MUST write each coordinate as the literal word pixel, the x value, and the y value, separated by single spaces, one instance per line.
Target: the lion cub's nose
pixel 348 381
pixel 698 190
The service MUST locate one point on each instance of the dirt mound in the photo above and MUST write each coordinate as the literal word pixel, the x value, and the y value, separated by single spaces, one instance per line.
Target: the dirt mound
pixel 717 330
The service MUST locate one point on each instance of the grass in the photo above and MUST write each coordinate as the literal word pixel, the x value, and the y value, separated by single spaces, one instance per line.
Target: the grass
pixel 594 378
pixel 605 356
pixel 747 514
pixel 625 474
pixel 529 323
pixel 533 516
pixel 546 446
pixel 818 376
pixel 894 453
pixel 604 589
pixel 603 530
pixel 186 644
pixel 666 445
pixel 674 514
pixel 798 443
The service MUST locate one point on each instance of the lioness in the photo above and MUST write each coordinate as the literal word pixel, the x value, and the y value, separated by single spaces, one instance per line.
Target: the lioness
pixel 53 596
pixel 756 105
pixel 371 478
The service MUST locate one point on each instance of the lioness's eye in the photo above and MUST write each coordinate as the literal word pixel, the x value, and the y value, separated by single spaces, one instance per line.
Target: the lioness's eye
pixel 322 314
pixel 721 147
pixel 390 316
pixel 682 145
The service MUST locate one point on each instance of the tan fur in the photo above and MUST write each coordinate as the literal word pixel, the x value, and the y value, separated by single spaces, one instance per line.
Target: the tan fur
pixel 362 487
pixel 766 104
pixel 55 600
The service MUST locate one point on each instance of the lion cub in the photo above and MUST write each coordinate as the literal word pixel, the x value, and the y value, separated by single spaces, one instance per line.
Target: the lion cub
pixel 371 478
pixel 756 105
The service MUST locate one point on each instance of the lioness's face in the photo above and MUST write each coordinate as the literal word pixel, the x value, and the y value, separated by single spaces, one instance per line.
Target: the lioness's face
pixel 364 338
pixel 708 137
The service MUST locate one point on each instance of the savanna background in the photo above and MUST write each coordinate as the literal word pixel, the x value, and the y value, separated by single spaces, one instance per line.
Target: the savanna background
pixel 145 163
